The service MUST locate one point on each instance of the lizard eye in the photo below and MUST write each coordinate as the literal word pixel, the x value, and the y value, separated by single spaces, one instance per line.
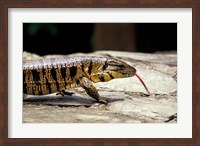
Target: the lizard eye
pixel 105 66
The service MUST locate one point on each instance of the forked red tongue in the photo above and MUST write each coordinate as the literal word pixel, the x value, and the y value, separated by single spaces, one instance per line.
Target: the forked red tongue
pixel 142 82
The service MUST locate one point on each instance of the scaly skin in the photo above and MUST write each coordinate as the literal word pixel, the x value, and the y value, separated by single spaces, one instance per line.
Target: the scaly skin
pixel 50 75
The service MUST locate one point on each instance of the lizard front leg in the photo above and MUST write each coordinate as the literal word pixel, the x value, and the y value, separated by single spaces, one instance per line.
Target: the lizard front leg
pixel 91 90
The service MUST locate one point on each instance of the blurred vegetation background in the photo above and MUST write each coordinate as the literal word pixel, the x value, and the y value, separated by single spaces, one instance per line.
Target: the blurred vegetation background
pixel 67 38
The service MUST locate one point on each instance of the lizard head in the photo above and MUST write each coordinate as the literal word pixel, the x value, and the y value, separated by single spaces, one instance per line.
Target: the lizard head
pixel 112 68
pixel 117 69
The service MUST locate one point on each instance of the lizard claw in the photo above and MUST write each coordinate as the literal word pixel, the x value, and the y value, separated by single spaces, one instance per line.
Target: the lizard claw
pixel 103 101
pixel 63 93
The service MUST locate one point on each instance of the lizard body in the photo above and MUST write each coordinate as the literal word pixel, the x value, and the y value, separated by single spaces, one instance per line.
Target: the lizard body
pixel 50 75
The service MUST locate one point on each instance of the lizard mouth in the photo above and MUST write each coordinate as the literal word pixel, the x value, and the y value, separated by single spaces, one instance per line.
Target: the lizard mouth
pixel 149 93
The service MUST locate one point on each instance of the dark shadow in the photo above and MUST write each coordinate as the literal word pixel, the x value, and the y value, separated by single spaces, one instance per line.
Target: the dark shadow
pixel 66 100
pixel 111 100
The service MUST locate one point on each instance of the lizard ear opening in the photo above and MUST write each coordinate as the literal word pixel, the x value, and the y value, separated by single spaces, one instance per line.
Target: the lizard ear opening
pixel 105 66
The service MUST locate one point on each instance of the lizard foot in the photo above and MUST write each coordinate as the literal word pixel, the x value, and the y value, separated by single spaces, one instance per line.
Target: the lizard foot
pixel 103 101
pixel 63 93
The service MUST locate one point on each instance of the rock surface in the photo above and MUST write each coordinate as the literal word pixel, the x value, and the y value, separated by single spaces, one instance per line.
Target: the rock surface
pixel 127 99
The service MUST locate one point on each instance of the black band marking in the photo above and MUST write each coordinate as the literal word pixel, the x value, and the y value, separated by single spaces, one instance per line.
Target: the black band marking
pixel 77 82
pixel 73 71
pixel 102 78
pixel 36 77
pixel 90 68
pixel 111 76
pixel 82 67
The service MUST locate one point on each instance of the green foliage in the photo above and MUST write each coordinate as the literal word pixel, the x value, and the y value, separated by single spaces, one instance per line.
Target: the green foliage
pixel 34 28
